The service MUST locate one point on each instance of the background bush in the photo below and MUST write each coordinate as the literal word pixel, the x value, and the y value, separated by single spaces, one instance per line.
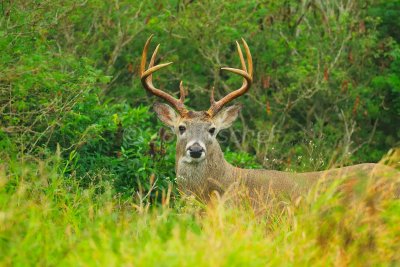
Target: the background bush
pixel 326 91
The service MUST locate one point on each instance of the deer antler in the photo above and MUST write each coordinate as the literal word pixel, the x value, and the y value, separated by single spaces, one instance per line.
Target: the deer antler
pixel 146 77
pixel 247 81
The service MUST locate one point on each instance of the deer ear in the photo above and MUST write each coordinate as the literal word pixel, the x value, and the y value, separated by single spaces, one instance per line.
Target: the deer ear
pixel 227 116
pixel 166 114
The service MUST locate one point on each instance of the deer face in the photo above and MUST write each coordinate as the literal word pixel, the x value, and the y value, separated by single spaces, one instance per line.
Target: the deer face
pixel 196 131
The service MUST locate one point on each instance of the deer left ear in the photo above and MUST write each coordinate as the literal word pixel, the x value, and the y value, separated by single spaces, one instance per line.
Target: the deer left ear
pixel 166 114
pixel 227 116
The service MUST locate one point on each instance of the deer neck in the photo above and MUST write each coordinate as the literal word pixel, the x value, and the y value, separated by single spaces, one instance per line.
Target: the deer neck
pixel 203 177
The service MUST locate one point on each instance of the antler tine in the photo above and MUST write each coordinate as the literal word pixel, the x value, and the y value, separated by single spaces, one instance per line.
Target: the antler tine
pixel 182 93
pixel 246 72
pixel 239 49
pixel 212 99
pixel 249 58
pixel 153 57
pixel 146 77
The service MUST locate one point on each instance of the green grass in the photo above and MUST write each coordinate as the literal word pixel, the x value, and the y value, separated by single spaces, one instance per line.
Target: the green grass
pixel 46 219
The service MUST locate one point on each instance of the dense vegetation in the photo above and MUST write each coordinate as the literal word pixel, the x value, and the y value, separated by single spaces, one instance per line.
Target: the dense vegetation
pixel 46 220
pixel 82 155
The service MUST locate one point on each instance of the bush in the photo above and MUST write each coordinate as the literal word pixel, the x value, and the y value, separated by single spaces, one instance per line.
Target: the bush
pixel 326 88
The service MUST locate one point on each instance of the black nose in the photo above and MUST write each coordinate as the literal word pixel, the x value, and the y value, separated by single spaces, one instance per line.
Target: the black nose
pixel 195 151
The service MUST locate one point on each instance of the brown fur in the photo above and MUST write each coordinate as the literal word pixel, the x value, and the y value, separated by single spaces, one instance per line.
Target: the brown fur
pixel 214 173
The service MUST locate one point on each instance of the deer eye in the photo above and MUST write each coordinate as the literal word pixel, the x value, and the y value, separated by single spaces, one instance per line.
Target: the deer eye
pixel 211 130
pixel 182 129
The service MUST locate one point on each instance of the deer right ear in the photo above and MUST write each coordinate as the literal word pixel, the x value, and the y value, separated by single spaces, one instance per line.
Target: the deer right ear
pixel 227 116
pixel 166 114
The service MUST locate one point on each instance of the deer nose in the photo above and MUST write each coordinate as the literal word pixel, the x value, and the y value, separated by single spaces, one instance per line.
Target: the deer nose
pixel 195 150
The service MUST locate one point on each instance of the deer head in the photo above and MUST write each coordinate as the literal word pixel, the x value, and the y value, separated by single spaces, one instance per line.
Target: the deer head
pixel 196 130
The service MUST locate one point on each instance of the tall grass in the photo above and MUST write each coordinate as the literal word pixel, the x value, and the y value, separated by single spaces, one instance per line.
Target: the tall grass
pixel 47 219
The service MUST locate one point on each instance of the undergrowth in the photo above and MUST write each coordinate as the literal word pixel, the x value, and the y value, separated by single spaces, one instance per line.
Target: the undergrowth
pixel 48 220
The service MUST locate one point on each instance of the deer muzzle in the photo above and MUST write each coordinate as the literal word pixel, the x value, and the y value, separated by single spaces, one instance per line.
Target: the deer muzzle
pixel 196 151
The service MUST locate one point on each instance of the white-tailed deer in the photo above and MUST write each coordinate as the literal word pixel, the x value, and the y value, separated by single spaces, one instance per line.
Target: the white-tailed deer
pixel 200 164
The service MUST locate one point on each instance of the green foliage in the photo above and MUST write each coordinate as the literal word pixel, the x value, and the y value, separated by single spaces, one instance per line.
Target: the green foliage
pixel 49 220
pixel 388 12
pixel 241 159
pixel 87 173
pixel 120 142
pixel 326 84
